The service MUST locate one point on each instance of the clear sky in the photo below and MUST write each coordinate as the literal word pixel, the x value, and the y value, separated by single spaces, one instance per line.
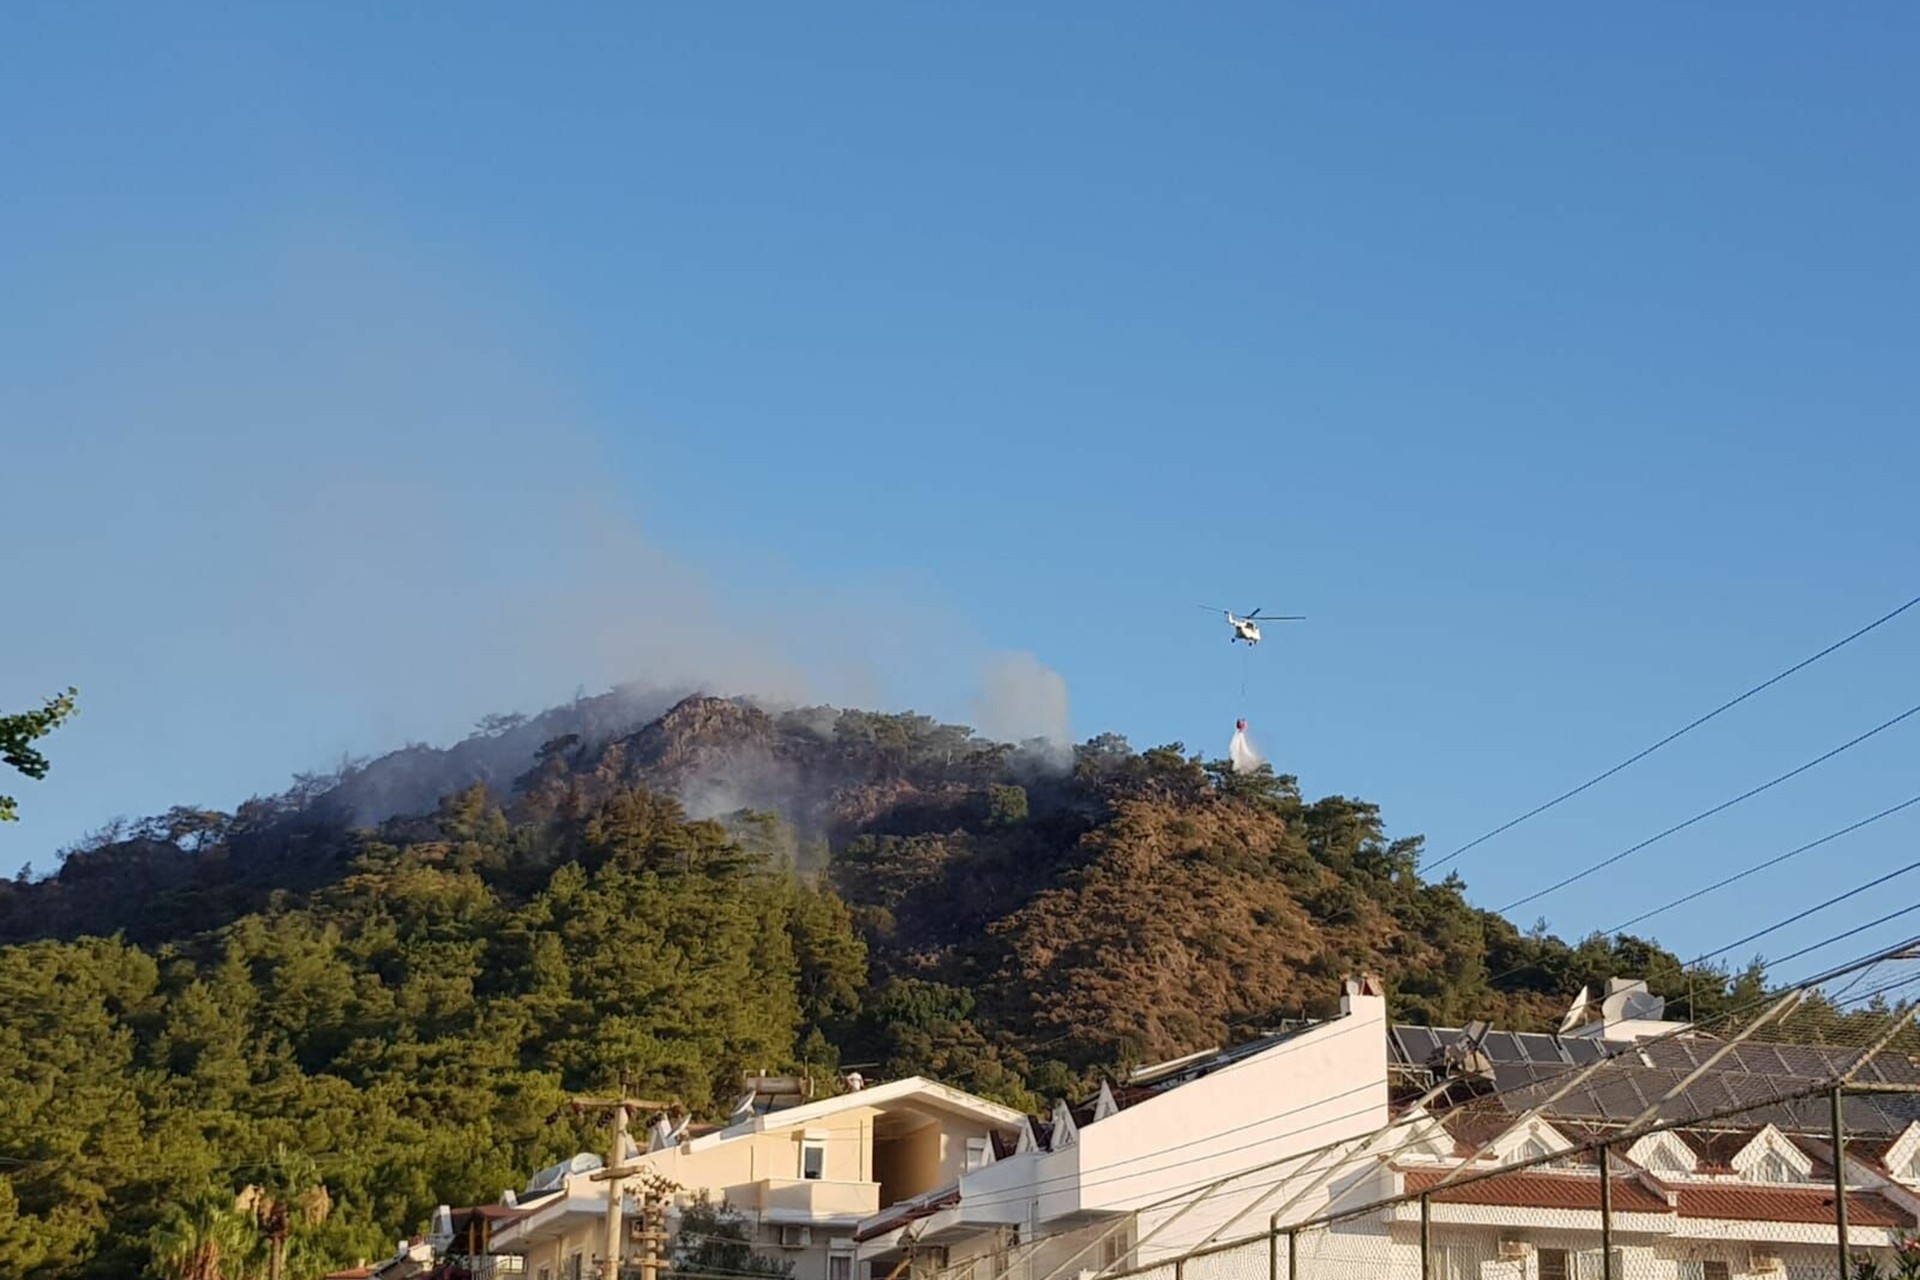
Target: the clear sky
pixel 366 368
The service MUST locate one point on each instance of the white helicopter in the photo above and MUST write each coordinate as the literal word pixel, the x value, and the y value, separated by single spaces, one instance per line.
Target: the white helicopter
pixel 1248 628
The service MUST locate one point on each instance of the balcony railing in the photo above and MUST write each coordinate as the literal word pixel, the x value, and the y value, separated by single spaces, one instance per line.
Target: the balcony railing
pixel 817 1198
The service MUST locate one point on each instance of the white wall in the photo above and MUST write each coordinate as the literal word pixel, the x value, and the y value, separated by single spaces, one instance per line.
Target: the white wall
pixel 1326 1084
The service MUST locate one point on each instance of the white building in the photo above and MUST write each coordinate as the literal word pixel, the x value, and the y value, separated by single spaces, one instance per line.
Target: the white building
pixel 1718 1197
pixel 1178 1154
pixel 1348 1115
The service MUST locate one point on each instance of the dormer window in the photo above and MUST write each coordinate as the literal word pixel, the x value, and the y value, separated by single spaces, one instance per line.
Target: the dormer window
pixel 1664 1154
pixel 1771 1157
pixel 1666 1160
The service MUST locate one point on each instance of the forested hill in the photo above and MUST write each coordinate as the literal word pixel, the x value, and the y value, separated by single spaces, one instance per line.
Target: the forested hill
pixel 399 971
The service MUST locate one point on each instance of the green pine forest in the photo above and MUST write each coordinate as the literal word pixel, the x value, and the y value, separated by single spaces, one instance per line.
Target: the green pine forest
pixel 375 992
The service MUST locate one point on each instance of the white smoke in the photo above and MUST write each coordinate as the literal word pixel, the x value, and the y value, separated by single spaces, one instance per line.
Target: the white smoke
pixel 356 488
pixel 1241 751
pixel 1023 700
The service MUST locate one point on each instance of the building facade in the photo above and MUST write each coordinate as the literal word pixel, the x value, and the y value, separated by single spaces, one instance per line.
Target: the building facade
pixel 1150 1168
pixel 801 1175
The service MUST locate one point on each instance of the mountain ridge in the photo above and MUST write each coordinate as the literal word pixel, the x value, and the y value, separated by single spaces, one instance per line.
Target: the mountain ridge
pixel 405 967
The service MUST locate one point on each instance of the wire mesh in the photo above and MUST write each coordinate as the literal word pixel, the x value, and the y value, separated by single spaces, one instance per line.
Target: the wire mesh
pixel 1241 1260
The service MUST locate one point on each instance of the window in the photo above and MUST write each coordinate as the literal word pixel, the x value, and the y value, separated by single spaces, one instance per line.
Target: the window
pixel 574 1268
pixel 546 1273
pixel 1113 1249
pixel 977 1151
pixel 1772 1167
pixel 1553 1264
pixel 1714 1270
pixel 840 1266
pixel 813 1159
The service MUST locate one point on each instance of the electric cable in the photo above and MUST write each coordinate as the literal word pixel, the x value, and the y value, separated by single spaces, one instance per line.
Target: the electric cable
pixel 1758 867
pixel 1030 1190
pixel 1854 932
pixel 1691 896
pixel 1497 978
pixel 1704 814
pixel 1035 1186
pixel 1685 729
pixel 1802 915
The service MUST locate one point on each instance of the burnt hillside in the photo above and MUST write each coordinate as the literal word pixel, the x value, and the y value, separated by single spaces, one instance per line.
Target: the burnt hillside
pixel 1119 904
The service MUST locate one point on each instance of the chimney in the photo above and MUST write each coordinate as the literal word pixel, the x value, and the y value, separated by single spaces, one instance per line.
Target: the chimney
pixel 1367 985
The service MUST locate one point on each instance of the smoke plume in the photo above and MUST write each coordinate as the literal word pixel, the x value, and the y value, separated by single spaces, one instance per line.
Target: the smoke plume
pixel 337 501
pixel 1024 701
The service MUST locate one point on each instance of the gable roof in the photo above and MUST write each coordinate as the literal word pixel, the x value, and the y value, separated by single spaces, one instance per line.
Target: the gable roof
pixel 912 1089
pixel 1770 1140
pixel 1649 1149
pixel 1897 1155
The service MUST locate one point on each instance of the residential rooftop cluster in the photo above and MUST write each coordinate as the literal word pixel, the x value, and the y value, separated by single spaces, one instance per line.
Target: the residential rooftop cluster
pixel 1719 1162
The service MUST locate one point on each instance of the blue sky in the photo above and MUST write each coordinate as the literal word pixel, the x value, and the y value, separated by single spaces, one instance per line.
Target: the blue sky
pixel 369 368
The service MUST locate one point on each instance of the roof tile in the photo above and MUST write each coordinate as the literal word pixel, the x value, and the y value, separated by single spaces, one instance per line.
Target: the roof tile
pixel 1787 1204
pixel 1540 1190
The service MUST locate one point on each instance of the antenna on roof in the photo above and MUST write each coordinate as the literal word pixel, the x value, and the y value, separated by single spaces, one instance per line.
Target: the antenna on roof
pixel 1628 1000
pixel 1576 1013
pixel 1463 1059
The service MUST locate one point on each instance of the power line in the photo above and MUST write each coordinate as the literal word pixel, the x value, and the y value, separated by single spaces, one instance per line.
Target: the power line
pixel 1694 895
pixel 1207 1186
pixel 1853 932
pixel 1758 867
pixel 1033 1188
pixel 1676 734
pixel 1798 916
pixel 1708 813
pixel 1741 875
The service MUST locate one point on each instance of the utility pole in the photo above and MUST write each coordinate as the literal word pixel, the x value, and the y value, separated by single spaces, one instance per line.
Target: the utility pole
pixel 653 1219
pixel 616 1168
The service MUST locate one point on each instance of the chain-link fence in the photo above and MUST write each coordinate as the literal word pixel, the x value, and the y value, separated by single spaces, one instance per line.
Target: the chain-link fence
pixel 1778 1141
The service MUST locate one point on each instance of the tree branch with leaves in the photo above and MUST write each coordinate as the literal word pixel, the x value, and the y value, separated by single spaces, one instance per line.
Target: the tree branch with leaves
pixel 19 732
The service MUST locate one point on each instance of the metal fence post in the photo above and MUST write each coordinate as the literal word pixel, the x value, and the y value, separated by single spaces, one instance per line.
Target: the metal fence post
pixel 1293 1254
pixel 1606 1215
pixel 1426 1236
pixel 1180 1267
pixel 1840 1180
